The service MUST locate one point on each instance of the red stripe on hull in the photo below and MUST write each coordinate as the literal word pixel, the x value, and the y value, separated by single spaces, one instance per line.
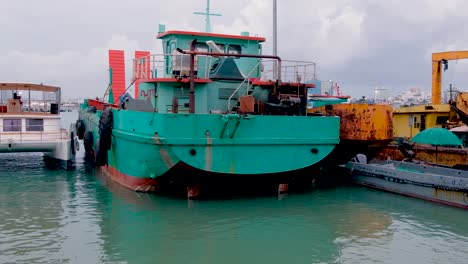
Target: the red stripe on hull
pixel 414 195
pixel 133 183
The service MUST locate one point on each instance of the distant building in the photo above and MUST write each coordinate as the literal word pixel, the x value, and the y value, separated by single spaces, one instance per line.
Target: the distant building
pixel 414 96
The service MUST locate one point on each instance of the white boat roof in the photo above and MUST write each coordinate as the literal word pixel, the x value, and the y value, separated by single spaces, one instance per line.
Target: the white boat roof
pixel 28 86
pixel 463 128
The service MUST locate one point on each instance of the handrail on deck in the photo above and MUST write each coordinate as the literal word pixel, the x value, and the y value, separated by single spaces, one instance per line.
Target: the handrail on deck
pixel 57 134
pixel 151 66
pixel 162 65
pixel 147 67
pixel 246 80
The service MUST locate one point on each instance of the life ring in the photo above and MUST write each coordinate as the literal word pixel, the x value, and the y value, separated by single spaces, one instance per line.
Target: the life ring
pixel 105 129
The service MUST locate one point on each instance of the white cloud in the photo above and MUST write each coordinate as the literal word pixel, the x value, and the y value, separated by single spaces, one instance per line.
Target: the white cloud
pixel 358 42
pixel 318 36
pixel 73 70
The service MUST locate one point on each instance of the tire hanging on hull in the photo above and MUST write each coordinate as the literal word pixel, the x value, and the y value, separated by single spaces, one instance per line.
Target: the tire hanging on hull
pixel 88 145
pixel 101 155
pixel 105 136
pixel 72 143
pixel 80 129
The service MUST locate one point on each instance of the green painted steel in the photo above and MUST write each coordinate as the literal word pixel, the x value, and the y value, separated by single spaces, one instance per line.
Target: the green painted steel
pixel 320 101
pixel 148 144
pixel 111 92
pixel 173 41
pixel 215 139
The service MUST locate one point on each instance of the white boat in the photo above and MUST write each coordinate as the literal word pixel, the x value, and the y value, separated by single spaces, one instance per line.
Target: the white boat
pixel 420 180
pixel 30 121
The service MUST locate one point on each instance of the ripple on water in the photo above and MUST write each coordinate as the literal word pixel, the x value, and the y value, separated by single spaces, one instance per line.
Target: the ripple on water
pixel 55 216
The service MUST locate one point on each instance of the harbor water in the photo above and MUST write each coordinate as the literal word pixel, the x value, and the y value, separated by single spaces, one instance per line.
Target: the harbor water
pixel 50 215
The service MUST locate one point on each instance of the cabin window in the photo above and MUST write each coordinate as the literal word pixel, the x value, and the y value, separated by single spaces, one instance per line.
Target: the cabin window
pixel 221 47
pixel 441 120
pixel 234 49
pixel 34 124
pixel 11 125
pixel 201 47
pixel 170 49
pixel 225 93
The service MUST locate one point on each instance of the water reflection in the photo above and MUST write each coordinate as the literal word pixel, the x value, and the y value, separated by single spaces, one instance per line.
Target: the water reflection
pixel 212 231
pixel 419 232
pixel 55 216
pixel 344 225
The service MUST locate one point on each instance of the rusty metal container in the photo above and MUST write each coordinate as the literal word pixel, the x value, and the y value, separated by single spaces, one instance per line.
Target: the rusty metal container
pixel 366 122
pixel 441 155
pixel 364 128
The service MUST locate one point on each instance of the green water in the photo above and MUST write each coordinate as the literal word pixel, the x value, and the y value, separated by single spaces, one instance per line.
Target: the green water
pixel 56 216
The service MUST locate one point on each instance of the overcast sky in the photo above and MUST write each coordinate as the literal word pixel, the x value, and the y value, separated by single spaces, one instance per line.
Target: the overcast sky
pixel 361 44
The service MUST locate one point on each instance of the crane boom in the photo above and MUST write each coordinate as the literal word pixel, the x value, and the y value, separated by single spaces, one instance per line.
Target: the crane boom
pixel 437 59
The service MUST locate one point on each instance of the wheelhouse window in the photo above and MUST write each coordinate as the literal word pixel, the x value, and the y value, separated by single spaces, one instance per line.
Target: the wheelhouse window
pixel 201 47
pixel 442 120
pixel 220 46
pixel 34 124
pixel 234 49
pixel 11 125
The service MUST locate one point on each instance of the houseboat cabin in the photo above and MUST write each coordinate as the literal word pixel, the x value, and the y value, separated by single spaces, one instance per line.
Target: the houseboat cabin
pixel 30 121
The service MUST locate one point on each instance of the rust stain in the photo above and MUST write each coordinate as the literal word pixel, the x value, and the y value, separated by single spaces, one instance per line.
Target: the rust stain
pixel 363 121
pixel 449 195
pixel 163 152
pixel 442 156
pixel 208 152
pixel 193 191
pixel 232 168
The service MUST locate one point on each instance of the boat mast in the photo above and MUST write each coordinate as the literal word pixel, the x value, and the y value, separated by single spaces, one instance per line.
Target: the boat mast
pixel 207 15
pixel 275 48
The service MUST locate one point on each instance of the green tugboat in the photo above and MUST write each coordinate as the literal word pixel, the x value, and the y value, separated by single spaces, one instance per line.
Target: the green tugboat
pixel 210 105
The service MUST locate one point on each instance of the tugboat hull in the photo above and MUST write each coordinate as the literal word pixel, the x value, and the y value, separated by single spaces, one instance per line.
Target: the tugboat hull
pixel 145 145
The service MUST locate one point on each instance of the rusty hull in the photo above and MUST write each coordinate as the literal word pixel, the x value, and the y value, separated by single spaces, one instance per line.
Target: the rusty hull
pixel 362 122
pixel 364 128
pixel 462 102
pixel 441 156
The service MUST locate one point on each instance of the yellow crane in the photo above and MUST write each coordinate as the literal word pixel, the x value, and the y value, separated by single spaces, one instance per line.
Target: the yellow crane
pixel 439 59
pixel 408 121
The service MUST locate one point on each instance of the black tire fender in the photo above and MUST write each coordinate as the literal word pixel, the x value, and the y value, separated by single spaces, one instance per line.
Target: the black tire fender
pixel 88 141
pixel 72 143
pixel 106 123
pixel 80 129
pixel 101 156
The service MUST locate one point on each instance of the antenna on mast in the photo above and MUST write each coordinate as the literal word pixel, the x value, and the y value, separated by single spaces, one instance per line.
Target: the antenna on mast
pixel 275 40
pixel 207 15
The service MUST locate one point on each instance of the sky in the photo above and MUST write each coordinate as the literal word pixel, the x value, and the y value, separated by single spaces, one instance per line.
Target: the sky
pixel 363 45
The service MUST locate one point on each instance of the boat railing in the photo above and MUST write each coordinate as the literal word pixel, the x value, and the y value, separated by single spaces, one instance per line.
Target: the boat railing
pixel 31 106
pixel 291 71
pixel 48 133
pixel 170 66
pixel 245 82
pixel 178 65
